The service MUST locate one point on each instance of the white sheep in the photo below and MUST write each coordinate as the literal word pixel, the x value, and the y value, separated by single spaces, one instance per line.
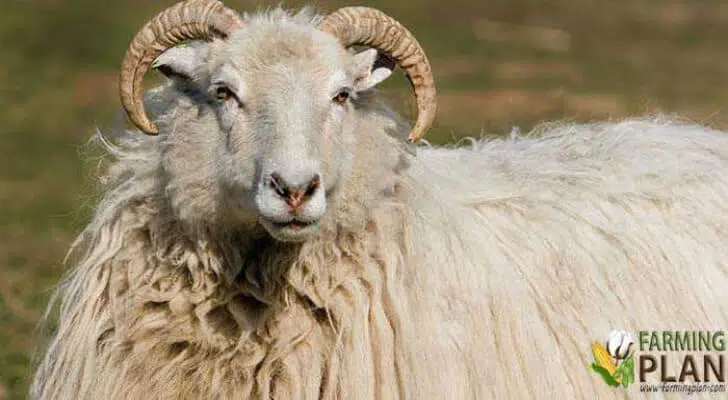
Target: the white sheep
pixel 278 239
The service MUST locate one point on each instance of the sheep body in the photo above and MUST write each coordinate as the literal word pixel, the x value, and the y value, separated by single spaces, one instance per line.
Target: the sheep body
pixel 472 272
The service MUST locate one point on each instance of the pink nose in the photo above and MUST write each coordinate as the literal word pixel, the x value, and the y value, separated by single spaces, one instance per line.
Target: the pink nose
pixel 294 195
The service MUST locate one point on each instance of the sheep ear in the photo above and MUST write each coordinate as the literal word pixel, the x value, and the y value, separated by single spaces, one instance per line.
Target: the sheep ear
pixel 371 68
pixel 180 63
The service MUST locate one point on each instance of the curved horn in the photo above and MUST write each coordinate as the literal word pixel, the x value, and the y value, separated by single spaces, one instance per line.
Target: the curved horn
pixel 187 20
pixel 371 27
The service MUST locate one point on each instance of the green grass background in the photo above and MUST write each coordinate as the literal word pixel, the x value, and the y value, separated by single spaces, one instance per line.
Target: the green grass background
pixel 498 64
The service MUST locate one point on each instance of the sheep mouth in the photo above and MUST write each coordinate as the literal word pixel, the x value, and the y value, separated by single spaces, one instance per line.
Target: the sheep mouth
pixel 294 230
pixel 294 224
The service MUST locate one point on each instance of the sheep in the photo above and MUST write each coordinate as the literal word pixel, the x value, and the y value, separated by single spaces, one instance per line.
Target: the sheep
pixel 274 236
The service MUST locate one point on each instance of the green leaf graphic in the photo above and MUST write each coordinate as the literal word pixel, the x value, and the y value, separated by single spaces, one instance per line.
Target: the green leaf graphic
pixel 608 379
pixel 625 371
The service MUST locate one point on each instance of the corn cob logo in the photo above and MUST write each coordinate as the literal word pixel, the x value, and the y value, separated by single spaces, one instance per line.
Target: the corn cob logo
pixel 613 360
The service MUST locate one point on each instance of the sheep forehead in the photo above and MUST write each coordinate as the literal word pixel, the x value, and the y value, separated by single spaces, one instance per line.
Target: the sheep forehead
pixel 265 41
pixel 295 82
pixel 283 46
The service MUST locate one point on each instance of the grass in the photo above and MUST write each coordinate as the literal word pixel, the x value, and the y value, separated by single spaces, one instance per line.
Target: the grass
pixel 498 64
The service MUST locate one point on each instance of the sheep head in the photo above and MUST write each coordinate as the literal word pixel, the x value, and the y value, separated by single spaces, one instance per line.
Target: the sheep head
pixel 274 102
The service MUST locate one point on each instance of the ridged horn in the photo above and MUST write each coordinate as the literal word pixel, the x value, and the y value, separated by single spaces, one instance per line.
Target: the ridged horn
pixel 370 27
pixel 187 20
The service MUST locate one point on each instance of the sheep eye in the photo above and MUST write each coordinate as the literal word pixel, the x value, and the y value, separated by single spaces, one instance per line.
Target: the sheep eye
pixel 222 94
pixel 341 97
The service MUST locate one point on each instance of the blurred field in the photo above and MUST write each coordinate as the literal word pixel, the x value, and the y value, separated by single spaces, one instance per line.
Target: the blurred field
pixel 498 63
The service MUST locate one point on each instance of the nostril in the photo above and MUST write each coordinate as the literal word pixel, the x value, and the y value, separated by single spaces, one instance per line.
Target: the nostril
pixel 313 185
pixel 278 184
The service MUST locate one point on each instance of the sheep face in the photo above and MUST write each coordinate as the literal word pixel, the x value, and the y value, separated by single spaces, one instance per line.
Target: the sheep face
pixel 273 131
